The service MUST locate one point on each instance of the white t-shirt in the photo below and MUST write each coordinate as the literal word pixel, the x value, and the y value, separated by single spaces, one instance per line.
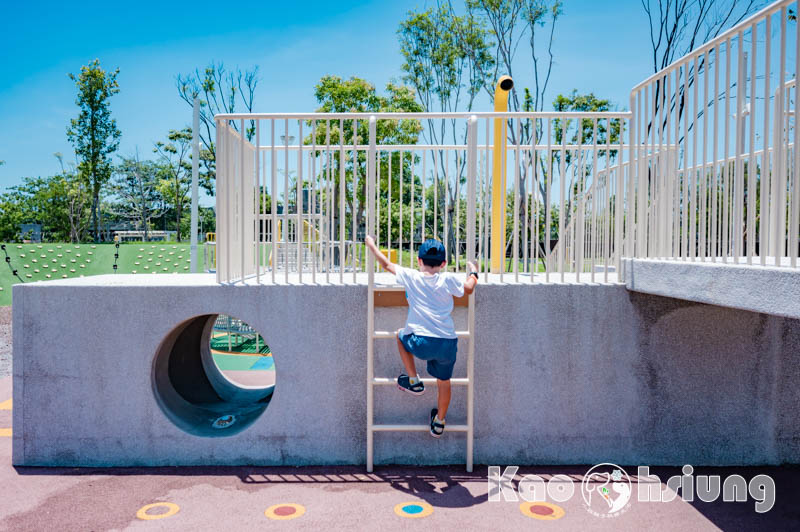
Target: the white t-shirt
pixel 430 301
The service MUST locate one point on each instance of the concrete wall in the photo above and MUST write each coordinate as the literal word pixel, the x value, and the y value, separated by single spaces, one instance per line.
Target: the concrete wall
pixel 563 374
pixel 769 289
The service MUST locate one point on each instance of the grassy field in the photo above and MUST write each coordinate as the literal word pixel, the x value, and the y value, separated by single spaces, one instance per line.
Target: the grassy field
pixel 42 262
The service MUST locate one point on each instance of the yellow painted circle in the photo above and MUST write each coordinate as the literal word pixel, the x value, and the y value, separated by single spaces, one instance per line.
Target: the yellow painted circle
pixel 172 509
pixel 275 511
pixel 556 512
pixel 426 509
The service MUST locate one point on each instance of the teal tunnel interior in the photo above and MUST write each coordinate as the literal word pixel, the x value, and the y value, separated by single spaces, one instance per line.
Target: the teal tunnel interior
pixel 191 390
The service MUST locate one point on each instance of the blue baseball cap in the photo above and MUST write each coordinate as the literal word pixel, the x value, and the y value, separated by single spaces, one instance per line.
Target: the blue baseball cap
pixel 432 249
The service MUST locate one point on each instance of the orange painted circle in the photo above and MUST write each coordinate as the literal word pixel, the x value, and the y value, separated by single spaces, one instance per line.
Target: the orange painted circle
pixel 285 511
pixel 543 511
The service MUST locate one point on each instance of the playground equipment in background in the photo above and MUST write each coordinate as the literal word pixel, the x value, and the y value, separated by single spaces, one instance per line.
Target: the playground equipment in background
pixel 210 252
pixel 232 335
pixel 314 245
pixel 139 236
pixel 391 254
pixel 240 353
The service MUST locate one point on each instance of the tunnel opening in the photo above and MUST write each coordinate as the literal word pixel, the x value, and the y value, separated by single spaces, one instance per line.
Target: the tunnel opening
pixel 195 391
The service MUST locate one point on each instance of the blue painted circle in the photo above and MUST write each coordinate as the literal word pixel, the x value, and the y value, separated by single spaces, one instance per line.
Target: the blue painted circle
pixel 412 508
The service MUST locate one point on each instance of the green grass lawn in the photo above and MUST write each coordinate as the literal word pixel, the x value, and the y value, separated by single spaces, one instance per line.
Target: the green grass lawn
pixel 43 262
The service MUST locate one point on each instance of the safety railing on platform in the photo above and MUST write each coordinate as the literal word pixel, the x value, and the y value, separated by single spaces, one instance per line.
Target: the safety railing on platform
pixel 716 172
pixel 420 192
pixel 702 167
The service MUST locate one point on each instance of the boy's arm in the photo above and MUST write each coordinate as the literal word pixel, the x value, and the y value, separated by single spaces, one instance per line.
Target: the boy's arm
pixel 472 280
pixel 380 257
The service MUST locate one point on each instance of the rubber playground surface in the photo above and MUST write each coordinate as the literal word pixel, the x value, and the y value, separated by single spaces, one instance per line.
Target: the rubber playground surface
pixel 341 498
pixel 247 370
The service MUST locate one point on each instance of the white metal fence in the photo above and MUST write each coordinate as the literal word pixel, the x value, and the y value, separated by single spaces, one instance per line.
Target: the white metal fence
pixel 554 159
pixel 713 139
pixel 671 178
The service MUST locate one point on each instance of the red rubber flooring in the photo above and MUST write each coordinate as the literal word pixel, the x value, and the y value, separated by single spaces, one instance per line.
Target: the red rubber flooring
pixel 344 498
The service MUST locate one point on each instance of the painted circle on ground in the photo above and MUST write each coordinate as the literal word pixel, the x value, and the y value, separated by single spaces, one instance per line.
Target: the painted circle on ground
pixel 143 514
pixel 413 509
pixel 544 511
pixel 285 510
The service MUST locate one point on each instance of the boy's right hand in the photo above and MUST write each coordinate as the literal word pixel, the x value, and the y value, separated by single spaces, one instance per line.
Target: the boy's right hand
pixel 472 266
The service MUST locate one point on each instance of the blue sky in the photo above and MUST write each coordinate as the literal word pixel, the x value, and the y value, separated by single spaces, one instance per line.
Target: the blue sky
pixel 598 48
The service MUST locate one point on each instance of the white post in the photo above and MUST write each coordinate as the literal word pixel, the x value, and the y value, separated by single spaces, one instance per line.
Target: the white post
pixel 195 172
pixel 472 172
pixel 371 224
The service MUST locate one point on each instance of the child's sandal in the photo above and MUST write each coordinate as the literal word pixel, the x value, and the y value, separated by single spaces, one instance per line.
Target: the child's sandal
pixel 404 383
pixel 436 428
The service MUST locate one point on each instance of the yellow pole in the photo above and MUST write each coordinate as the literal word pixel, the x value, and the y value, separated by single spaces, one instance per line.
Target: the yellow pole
pixel 504 85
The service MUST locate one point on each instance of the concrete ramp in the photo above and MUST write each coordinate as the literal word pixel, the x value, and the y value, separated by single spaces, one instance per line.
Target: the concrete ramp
pixel 767 289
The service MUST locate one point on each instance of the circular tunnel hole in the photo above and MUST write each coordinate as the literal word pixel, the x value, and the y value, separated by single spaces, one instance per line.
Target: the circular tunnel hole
pixel 213 375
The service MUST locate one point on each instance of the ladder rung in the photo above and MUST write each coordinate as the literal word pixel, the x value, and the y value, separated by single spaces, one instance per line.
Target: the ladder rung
pixel 390 334
pixel 385 381
pixel 415 428
pixel 386 288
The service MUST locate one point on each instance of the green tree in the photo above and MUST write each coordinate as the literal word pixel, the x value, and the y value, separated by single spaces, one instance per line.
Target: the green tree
pixel 486 40
pixel 136 192
pixel 678 26
pixel 218 91
pixel 175 156
pixel 78 200
pixel 94 134
pixel 42 200
pixel 588 103
pixel 447 59
pixel 13 212
pixel 336 95
pixel 584 131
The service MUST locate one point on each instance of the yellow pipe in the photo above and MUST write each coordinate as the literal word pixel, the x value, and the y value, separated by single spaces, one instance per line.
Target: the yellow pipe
pixel 504 86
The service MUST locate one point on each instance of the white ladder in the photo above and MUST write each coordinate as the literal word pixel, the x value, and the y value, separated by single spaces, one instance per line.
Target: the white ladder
pixel 394 296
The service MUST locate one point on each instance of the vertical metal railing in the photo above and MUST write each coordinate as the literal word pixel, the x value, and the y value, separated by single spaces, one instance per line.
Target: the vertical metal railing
pixel 291 198
pixel 725 188
pixel 701 168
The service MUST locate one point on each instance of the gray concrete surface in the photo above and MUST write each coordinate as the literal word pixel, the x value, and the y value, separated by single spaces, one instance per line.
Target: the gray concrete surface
pixel 564 374
pixel 769 289
pixel 5 342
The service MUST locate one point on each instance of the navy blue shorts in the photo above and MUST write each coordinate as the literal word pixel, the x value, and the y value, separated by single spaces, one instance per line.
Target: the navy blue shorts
pixel 440 353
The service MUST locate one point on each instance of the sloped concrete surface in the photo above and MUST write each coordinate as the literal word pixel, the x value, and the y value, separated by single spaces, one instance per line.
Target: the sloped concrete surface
pixel 769 289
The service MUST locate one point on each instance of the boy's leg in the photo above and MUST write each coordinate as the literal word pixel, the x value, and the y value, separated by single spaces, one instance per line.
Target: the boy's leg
pixel 444 397
pixel 407 358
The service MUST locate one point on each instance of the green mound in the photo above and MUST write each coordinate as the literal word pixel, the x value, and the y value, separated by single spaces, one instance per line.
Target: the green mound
pixel 46 262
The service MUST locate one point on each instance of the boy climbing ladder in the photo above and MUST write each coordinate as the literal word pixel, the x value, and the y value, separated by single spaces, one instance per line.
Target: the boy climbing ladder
pixel 429 333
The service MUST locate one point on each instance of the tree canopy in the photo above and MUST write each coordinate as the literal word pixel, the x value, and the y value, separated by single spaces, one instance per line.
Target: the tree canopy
pixel 94 133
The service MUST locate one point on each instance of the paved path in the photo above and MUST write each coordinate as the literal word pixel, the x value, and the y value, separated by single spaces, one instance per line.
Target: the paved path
pixel 339 498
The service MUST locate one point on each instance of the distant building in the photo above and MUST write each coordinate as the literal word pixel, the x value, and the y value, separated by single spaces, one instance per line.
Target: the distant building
pixel 31 233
